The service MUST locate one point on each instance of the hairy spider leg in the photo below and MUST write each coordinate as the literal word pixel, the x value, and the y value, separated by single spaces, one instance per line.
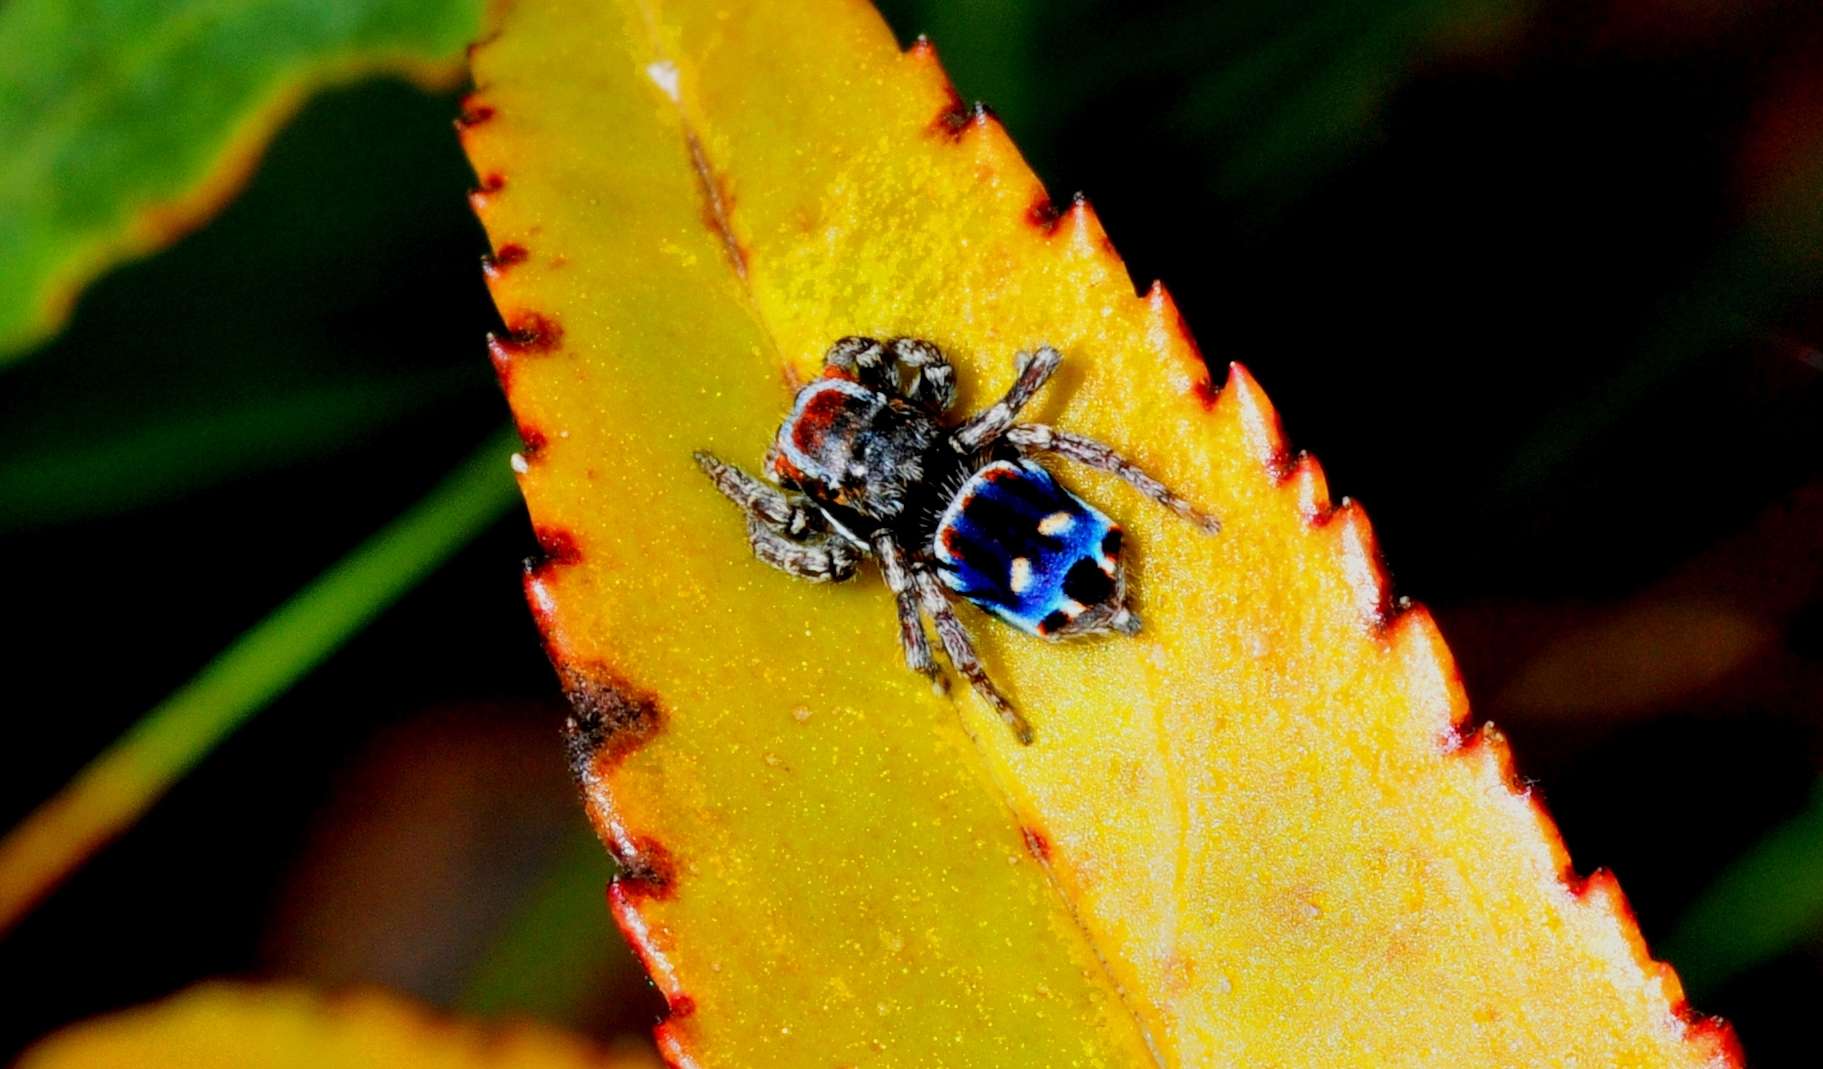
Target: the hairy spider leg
pixel 863 360
pixel 933 383
pixel 1031 372
pixel 755 498
pixel 1030 438
pixel 826 560
pixel 961 651
pixel 782 533
pixel 897 572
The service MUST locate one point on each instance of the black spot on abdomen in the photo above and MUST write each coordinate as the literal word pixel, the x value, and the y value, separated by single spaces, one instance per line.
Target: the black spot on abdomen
pixel 1087 583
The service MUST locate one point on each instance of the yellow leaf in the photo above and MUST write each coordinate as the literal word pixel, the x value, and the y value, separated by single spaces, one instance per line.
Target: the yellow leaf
pixel 1256 834
pixel 254 1026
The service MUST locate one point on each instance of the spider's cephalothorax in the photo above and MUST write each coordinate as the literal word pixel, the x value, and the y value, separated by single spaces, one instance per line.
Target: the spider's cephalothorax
pixel 946 509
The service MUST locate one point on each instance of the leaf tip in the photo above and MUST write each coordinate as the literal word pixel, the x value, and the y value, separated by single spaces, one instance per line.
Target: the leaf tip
pixel 1168 334
pixel 1264 435
pixel 1311 486
pixel 1362 564
pixel 1430 671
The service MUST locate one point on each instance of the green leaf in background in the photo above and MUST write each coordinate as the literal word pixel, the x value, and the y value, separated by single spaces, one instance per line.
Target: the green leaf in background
pixel 127 122
pixel 1767 903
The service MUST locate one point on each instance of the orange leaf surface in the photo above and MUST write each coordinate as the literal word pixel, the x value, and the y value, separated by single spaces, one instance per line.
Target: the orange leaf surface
pixel 1256 834
pixel 253 1026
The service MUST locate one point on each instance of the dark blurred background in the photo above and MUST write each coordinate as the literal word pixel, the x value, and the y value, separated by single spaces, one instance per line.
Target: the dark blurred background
pixel 1538 282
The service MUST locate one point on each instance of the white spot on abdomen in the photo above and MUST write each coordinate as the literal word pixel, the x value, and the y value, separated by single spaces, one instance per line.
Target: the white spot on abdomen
pixel 1021 578
pixel 1055 524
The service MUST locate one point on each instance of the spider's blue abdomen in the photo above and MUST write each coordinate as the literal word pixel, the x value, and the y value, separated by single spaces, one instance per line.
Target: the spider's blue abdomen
pixel 1022 547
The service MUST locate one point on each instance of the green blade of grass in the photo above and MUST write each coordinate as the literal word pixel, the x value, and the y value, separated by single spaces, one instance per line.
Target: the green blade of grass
pixel 110 793
pixel 1764 904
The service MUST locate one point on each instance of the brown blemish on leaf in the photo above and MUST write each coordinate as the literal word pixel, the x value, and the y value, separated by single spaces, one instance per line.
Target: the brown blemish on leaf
pixel 558 545
pixel 1045 216
pixel 608 720
pixel 474 113
pixel 503 259
pixel 646 871
pixel 955 119
pixel 1471 738
pixel 718 200
pixel 532 332
pixel 952 118
pixel 1595 884
pixel 532 441
pixel 528 334
pixel 1035 842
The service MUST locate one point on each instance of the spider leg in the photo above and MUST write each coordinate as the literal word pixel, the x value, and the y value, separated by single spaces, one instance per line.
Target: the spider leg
pixel 898 575
pixel 961 651
pixel 864 359
pixel 933 382
pixel 781 532
pixel 756 499
pixel 1031 438
pixel 1032 371
pixel 826 560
